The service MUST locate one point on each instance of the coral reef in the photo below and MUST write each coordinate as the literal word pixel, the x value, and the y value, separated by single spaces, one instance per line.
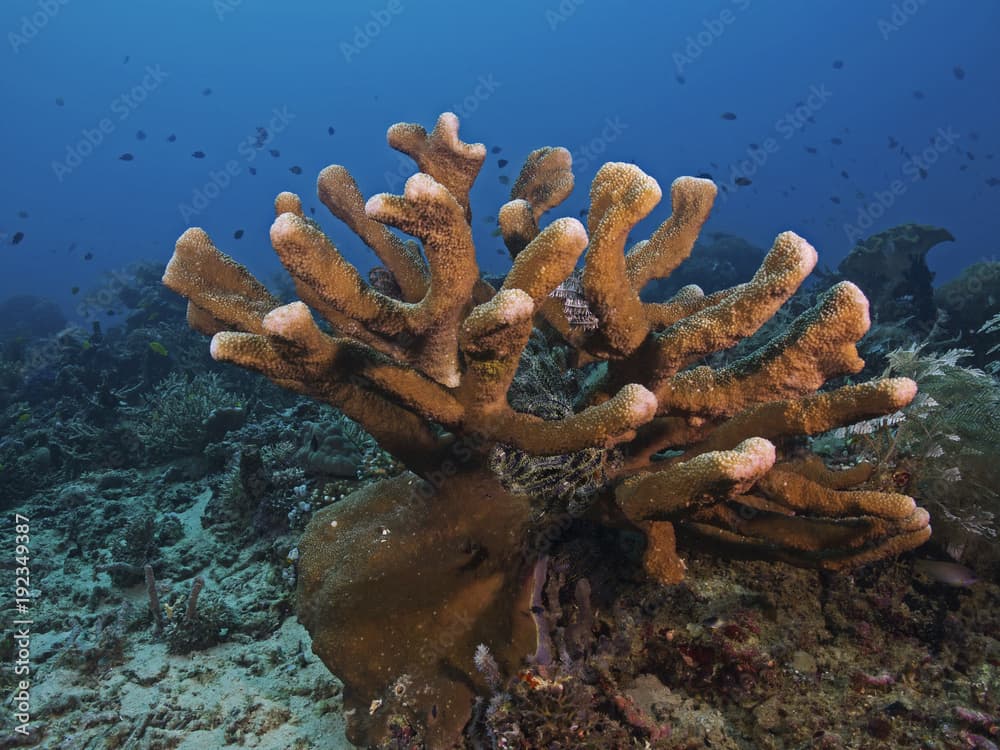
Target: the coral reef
pixel 891 268
pixel 400 582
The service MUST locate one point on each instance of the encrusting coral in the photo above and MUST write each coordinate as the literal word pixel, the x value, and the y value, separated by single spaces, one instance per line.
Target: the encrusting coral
pixel 400 582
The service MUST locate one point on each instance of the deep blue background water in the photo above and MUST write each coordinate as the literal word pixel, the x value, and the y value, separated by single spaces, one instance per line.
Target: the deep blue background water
pixel 601 78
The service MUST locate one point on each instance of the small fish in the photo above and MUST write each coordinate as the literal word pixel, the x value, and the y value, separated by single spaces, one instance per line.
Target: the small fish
pixel 126 157
pixel 496 150
pixel 331 130
pixel 504 179
pixel 959 72
pixel 159 348
pixel 295 170
pixel 496 233
pixel 140 135
pixel 923 173
pixel 843 173
pixel 23 214
pixel 253 170
pixel 88 256
pixel 836 141
pixel 754 147
pixel 237 234
pixel 680 79
pixel 16 239
pixel 838 64
pixel 943 571
pixel 835 199
pixel 312 210
pixel 811 150
pixel 705 176
pixel 60 102
pixel 893 142
pixel 75 290
pixel 23 417
pixel 743 181
pixel 274 152
pixel 206 92
pixel 584 212
pixel 991 181
pixel 728 115
pixel 970 156
pixel 198 154
pixel 502 163
pixel 918 94
pixel 171 138
pixel 127 58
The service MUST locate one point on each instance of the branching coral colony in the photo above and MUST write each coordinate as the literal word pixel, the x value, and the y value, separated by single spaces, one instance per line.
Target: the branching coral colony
pixel 400 582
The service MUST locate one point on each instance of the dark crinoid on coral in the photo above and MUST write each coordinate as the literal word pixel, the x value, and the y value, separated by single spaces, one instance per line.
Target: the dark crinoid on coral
pixel 402 580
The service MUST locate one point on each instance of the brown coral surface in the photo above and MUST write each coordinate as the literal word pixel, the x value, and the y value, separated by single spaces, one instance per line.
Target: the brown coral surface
pixel 429 375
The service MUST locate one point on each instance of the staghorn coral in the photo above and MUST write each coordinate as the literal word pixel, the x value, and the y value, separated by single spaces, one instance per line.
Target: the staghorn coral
pixel 402 580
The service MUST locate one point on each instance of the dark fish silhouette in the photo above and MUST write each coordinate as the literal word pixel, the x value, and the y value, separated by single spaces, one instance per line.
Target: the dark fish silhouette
pixel 504 179
pixel 843 173
pixel 584 212
pixel 127 58
pixel 126 157
pixel 680 79
pixel 836 141
pixel 295 170
pixel 918 94
pixel 198 154
pixel 253 170
pixel 893 142
pixel 140 135
pixel 171 138
pixel 959 72
pixel 838 64
pixel 274 152
pixel 88 256
pixel 237 234
pixel 705 176
pixel 728 115
pixel 60 101
pixel 743 181
pixel 496 150
pixel 74 290
pixel 811 149
pixel 16 239
pixel 991 181
pixel 22 214
pixel 835 199
pixel 502 163
pixel 331 130
pixel 206 92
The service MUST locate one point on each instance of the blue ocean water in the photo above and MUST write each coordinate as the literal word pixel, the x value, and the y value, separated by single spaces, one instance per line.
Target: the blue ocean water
pixel 845 117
